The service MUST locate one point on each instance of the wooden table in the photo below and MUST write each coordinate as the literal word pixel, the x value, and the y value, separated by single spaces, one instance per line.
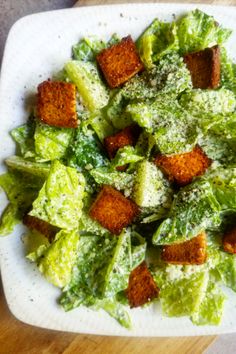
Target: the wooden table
pixel 19 338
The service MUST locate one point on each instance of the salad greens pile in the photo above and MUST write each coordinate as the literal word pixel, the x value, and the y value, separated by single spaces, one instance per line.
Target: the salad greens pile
pixel 57 172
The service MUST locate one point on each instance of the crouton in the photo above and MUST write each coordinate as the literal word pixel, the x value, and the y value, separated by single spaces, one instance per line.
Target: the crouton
pixel 120 62
pixel 182 168
pixel 229 240
pixel 127 136
pixel 189 252
pixel 142 288
pixel 204 67
pixel 112 210
pixel 56 104
pixel 41 226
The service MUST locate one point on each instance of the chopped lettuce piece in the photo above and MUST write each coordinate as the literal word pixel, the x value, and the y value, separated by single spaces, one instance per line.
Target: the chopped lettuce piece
pixel 119 180
pixel 119 268
pixel 227 71
pixel 211 308
pixel 194 209
pixel 58 260
pixel 183 297
pixel 211 101
pixel 138 249
pixel 151 188
pixel 24 137
pixel 158 39
pixel 21 190
pixel 86 152
pixel 172 127
pixel 101 125
pixel 86 77
pixel 26 166
pixel 115 310
pixel 35 244
pixel 227 269
pixel 223 181
pixel 60 200
pixel 51 143
pixel 197 31
pixel 87 282
pixel 87 48
pixel 124 156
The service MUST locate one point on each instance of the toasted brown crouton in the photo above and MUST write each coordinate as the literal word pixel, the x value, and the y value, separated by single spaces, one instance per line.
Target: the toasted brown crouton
pixel 229 240
pixel 189 252
pixel 41 226
pixel 182 168
pixel 142 288
pixel 57 104
pixel 119 62
pixel 112 210
pixel 204 67
pixel 127 136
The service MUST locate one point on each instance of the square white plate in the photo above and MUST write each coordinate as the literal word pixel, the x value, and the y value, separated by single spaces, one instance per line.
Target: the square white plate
pixel 37 46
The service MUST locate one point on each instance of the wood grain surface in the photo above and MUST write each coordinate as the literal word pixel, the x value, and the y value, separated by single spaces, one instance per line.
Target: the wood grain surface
pixel 19 338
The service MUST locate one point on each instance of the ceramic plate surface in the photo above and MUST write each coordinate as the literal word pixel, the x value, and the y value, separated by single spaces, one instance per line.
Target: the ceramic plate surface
pixel 38 46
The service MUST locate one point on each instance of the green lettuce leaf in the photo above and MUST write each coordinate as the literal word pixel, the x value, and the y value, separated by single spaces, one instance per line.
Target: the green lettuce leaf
pixel 211 308
pixel 39 169
pixel 138 249
pixel 57 261
pixel 51 143
pixel 197 31
pixel 91 89
pixel 87 282
pixel 60 200
pixel 151 188
pixel 120 266
pixel 183 297
pixel 194 209
pixel 124 156
pixel 24 137
pixel 158 39
pixel 87 48
pixel 119 180
pixel 211 101
pixel 21 190
pixel 227 71
pixel 172 127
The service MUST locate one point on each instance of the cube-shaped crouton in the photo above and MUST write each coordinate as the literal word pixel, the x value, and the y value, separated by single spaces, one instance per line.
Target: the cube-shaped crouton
pixel 112 210
pixel 182 168
pixel 142 288
pixel 120 62
pixel 41 226
pixel 189 252
pixel 127 136
pixel 204 67
pixel 229 240
pixel 56 104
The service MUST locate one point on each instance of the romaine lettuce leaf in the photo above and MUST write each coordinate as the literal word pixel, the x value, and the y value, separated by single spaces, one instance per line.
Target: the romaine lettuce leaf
pixel 183 297
pixel 57 261
pixel 21 190
pixel 87 283
pixel 197 31
pixel 24 137
pixel 115 310
pixel 138 249
pixel 120 266
pixel 158 39
pixel 211 308
pixel 211 101
pixel 227 71
pixel 51 143
pixel 101 125
pixel 91 89
pixel 86 152
pixel 151 188
pixel 119 180
pixel 87 48
pixel 124 156
pixel 194 209
pixel 172 127
pixel 60 200
pixel 26 166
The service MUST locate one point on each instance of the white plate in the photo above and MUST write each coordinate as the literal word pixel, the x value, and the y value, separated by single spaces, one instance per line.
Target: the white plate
pixel 37 46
